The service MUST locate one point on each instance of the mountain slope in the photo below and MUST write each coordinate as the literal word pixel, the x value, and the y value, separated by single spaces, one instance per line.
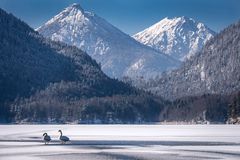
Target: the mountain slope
pixel 119 54
pixel 27 63
pixel 215 69
pixel 43 81
pixel 180 37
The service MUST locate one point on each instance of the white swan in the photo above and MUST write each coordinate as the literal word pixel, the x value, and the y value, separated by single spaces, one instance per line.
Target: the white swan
pixel 46 138
pixel 62 138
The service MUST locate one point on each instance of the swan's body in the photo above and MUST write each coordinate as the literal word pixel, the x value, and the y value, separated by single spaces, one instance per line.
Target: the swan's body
pixel 46 138
pixel 62 138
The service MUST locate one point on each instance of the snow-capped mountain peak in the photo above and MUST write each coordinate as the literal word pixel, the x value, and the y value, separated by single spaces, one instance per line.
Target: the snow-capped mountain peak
pixel 77 6
pixel 72 14
pixel 180 37
pixel 118 53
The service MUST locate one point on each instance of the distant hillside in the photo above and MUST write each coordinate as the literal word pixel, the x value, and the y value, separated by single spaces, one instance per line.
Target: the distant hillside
pixel 214 70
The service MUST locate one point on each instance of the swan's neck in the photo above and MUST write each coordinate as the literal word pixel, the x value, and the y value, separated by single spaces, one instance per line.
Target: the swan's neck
pixel 61 134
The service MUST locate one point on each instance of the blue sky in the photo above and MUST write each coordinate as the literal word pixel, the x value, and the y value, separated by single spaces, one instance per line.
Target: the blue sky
pixel 131 16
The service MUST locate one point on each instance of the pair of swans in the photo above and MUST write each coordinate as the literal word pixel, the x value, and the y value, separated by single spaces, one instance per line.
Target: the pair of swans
pixel 62 138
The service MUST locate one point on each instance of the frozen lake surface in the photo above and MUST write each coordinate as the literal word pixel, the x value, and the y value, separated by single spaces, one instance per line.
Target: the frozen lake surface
pixel 121 142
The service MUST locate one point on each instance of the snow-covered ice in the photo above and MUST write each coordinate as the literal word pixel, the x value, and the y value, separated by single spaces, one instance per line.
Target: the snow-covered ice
pixel 114 142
